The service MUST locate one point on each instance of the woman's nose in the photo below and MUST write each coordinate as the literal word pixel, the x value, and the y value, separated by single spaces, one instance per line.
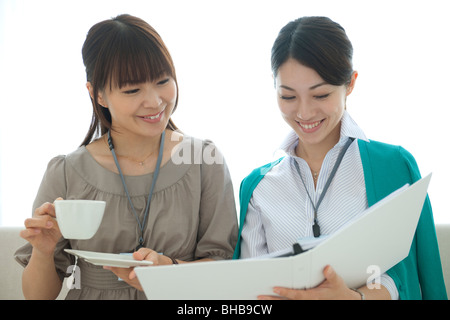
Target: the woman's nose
pixel 153 99
pixel 305 112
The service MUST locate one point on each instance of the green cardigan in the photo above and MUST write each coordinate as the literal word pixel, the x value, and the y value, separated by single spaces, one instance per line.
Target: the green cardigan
pixel 386 168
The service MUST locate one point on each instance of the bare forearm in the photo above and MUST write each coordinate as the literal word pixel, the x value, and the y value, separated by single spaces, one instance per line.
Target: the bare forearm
pixel 39 279
pixel 380 293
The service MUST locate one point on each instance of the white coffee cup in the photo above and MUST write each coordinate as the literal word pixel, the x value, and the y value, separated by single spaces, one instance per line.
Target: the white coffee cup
pixel 79 219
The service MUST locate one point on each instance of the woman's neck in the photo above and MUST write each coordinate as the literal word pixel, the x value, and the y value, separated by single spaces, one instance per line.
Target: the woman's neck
pixel 314 154
pixel 135 147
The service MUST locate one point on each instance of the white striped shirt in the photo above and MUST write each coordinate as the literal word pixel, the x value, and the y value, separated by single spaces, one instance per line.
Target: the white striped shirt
pixel 280 212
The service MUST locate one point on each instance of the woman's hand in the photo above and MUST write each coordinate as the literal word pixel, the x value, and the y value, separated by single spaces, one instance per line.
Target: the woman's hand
pixel 129 276
pixel 42 230
pixel 332 288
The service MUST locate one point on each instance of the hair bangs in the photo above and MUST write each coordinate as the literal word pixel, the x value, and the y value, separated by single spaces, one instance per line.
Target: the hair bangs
pixel 133 63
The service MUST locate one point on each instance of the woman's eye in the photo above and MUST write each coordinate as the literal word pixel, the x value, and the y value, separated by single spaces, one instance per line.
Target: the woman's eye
pixel 163 81
pixel 324 96
pixel 131 91
pixel 287 97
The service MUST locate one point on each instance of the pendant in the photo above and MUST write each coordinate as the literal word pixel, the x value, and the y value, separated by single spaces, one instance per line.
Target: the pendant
pixel 140 245
pixel 316 229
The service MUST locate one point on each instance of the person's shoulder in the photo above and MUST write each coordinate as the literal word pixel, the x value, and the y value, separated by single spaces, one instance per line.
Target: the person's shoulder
pixel 393 156
pixel 194 150
pixel 385 149
pixel 259 173
pixel 55 165
pixel 178 137
pixel 76 155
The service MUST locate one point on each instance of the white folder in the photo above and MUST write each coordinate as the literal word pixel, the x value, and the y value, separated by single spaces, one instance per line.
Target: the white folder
pixel 369 245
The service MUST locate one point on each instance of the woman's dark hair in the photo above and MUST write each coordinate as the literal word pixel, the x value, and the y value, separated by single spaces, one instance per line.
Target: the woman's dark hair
pixel 120 51
pixel 318 43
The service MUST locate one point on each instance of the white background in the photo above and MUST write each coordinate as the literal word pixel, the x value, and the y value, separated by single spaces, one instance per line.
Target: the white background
pixel 221 51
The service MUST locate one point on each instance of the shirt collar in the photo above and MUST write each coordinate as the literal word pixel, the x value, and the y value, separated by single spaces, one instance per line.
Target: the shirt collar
pixel 349 129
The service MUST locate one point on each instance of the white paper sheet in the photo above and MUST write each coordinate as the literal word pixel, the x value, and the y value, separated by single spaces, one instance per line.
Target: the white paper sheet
pixel 373 243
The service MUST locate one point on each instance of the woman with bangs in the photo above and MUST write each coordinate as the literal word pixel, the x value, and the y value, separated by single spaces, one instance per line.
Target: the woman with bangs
pixel 158 208
pixel 329 158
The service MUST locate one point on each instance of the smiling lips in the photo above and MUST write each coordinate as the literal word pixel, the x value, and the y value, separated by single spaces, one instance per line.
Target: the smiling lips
pixel 152 118
pixel 311 126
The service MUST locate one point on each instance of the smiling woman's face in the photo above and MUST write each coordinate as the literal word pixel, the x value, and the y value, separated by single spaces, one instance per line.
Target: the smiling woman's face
pixel 144 108
pixel 312 107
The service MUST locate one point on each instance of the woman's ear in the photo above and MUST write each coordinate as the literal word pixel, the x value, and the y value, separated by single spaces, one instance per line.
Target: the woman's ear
pixel 101 101
pixel 352 82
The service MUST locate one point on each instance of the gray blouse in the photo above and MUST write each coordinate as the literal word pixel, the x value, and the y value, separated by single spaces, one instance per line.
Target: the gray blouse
pixel 192 213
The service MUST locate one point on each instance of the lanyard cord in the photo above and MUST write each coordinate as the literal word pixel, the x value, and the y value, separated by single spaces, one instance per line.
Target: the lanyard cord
pixel 316 228
pixel 155 177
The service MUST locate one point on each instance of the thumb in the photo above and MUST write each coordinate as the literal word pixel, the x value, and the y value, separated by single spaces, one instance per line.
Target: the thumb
pixel 329 273
pixel 142 253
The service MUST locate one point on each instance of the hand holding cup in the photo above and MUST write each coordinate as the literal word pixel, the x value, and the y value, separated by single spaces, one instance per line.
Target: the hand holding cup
pixel 42 230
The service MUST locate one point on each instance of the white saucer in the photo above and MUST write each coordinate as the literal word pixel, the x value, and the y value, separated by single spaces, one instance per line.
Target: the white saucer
pixel 108 259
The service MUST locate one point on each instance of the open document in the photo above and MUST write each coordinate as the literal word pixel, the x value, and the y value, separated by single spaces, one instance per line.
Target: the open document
pixel 369 245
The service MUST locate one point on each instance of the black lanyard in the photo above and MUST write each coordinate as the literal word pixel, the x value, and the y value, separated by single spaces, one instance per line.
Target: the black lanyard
pixel 155 176
pixel 316 228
